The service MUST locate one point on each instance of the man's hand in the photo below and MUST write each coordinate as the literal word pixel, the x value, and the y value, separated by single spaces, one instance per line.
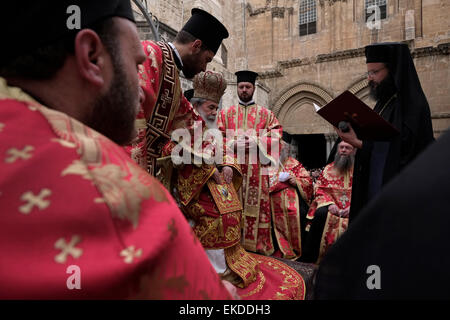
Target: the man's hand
pixel 251 141
pixel 333 209
pixel 216 176
pixel 231 289
pixel 349 137
pixel 292 181
pixel 344 213
pixel 227 174
pixel 241 143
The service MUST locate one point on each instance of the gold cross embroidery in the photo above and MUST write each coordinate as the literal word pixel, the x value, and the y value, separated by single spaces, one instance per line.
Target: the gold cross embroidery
pixel 165 99
pixel 15 154
pixel 130 253
pixel 68 249
pixel 33 200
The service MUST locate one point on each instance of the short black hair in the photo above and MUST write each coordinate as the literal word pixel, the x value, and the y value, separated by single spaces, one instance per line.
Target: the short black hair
pixel 184 37
pixel 44 62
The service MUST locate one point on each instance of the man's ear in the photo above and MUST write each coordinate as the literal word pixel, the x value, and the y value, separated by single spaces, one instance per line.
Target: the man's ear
pixel 197 46
pixel 90 56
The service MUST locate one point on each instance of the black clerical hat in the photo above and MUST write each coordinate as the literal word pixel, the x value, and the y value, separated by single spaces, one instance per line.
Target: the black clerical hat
pixel 377 53
pixel 207 28
pixel 246 76
pixel 28 25
pixel 189 94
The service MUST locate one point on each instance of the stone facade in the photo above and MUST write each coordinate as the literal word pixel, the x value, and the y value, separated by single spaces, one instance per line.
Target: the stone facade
pixel 300 71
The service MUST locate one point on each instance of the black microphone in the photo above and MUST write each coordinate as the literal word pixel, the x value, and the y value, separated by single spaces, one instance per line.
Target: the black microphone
pixel 343 126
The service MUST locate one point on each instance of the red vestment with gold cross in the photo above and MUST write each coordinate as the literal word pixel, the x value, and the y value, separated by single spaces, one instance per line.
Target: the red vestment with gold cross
pixel 285 206
pixel 80 220
pixel 215 212
pixel 331 188
pixel 165 108
pixel 254 193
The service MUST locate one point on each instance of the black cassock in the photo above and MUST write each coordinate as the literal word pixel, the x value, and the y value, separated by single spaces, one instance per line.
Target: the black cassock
pixel 401 239
pixel 406 109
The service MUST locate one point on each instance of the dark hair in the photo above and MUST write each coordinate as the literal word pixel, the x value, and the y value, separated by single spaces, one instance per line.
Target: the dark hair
pixel 42 63
pixel 184 37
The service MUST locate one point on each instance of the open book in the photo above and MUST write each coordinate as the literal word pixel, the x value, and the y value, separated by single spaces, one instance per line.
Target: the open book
pixel 367 124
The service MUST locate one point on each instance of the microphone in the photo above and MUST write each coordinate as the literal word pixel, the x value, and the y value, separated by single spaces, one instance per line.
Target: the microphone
pixel 343 126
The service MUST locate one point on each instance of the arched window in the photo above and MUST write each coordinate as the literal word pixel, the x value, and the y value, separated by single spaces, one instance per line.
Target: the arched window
pixel 224 56
pixel 381 7
pixel 307 17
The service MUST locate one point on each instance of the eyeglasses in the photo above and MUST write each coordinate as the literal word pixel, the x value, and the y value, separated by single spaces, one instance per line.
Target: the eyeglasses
pixel 371 73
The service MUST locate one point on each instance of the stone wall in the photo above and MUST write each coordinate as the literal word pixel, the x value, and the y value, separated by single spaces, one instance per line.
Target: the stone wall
pixel 297 71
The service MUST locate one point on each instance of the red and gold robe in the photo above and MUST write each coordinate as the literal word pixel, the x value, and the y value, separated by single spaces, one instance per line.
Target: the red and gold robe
pixel 254 194
pixel 80 220
pixel 216 211
pixel 165 108
pixel 285 206
pixel 331 188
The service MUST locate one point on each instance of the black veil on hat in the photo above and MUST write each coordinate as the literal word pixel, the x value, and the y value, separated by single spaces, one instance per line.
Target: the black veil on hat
pixel 189 94
pixel 287 137
pixel 246 76
pixel 414 104
pixel 207 28
pixel 28 25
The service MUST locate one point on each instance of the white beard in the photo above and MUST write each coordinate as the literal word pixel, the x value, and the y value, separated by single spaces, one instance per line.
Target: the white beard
pixel 210 124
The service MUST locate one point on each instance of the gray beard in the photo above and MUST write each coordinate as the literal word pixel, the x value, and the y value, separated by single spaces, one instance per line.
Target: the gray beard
pixel 210 124
pixel 343 163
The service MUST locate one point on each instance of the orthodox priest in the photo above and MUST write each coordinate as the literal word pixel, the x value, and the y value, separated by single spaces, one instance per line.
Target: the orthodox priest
pixel 165 107
pixel 327 217
pixel 213 208
pixel 291 191
pixel 252 131
pixel 397 248
pixel 79 219
pixel 400 100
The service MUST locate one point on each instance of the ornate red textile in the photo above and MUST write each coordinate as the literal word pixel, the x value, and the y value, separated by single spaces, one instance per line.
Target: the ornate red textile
pixel 285 207
pixel 71 197
pixel 165 108
pixel 255 190
pixel 331 188
pixel 274 281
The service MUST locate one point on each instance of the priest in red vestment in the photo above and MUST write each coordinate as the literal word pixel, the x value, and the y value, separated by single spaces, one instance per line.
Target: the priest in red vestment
pixel 327 218
pixel 291 191
pixel 166 108
pixel 79 219
pixel 213 208
pixel 252 131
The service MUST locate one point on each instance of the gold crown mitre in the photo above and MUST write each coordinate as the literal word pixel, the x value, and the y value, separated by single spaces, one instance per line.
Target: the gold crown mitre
pixel 210 86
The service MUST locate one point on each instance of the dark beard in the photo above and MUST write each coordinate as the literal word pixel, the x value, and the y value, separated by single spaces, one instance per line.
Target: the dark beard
pixel 190 66
pixel 245 99
pixel 384 90
pixel 343 163
pixel 114 113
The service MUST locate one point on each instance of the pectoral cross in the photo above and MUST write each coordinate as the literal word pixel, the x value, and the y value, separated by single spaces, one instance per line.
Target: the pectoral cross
pixel 344 199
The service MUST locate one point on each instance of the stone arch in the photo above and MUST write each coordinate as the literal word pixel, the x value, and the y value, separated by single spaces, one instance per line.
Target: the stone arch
pixel 295 109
